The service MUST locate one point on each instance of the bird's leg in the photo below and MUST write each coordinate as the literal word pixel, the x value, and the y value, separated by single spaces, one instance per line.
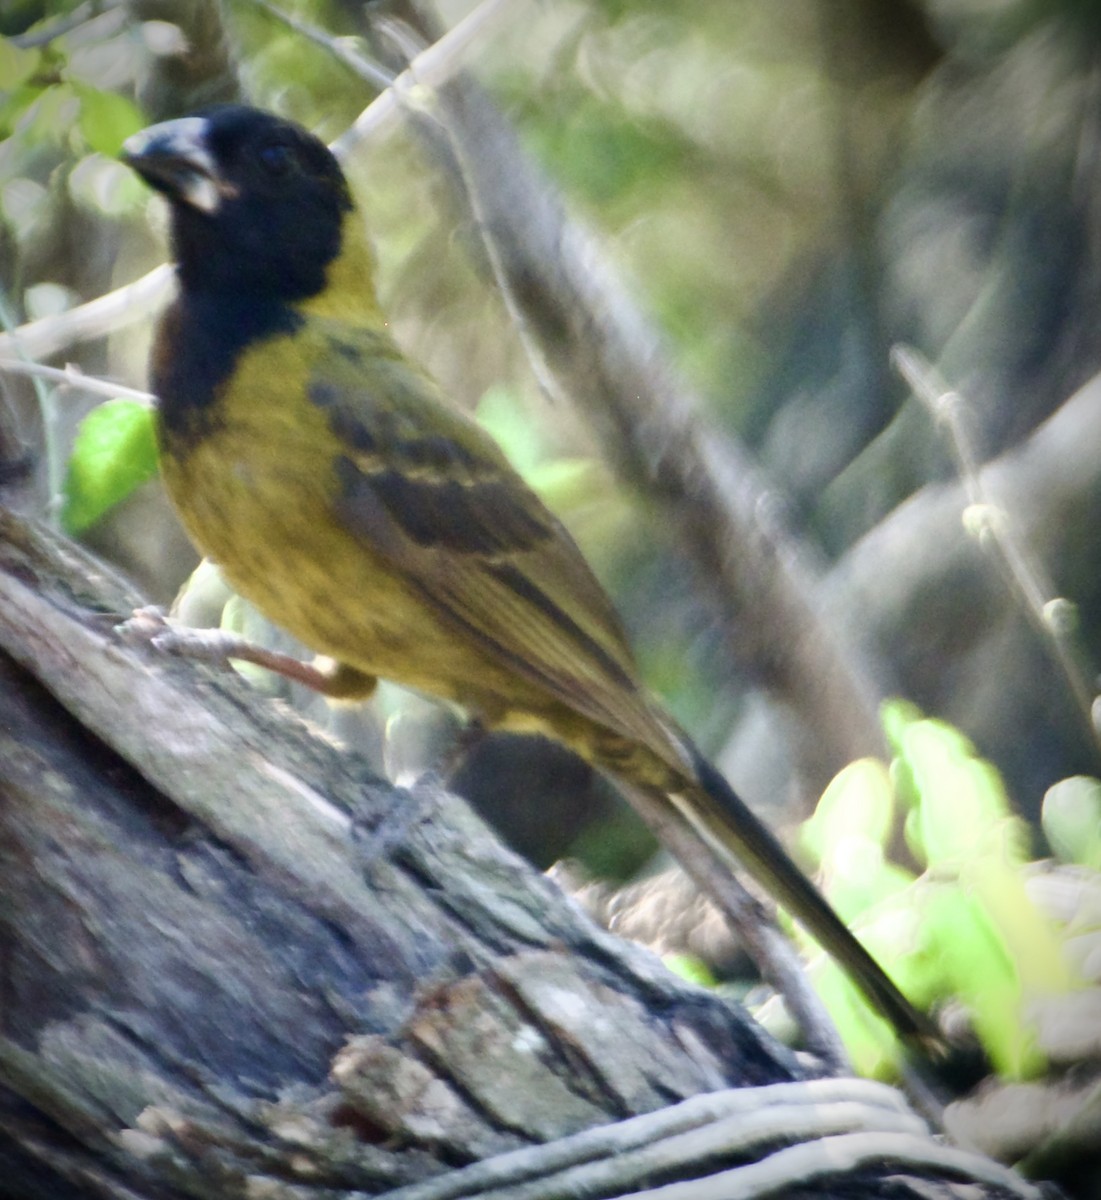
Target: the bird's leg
pixel 336 680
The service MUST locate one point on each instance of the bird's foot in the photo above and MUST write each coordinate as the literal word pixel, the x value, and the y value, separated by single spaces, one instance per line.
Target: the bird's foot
pixel 221 648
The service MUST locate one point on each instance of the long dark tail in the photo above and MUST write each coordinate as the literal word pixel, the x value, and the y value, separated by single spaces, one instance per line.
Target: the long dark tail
pixel 727 819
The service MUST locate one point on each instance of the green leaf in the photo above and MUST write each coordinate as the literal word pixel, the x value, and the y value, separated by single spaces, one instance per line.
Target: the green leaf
pixel 847 838
pixel 897 716
pixel 982 972
pixel 1071 818
pixel 996 883
pixel 16 65
pixel 858 801
pixel 962 802
pixel 114 453
pixel 106 119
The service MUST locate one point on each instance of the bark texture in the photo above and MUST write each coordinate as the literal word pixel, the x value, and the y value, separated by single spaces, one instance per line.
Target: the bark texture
pixel 233 963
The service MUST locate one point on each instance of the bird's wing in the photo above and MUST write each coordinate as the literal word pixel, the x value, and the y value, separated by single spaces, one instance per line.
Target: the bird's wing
pixel 429 489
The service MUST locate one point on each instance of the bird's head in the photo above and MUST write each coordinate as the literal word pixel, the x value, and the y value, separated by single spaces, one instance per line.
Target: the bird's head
pixel 259 205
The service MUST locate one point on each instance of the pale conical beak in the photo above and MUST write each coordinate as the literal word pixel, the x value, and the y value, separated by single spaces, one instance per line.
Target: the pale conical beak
pixel 174 158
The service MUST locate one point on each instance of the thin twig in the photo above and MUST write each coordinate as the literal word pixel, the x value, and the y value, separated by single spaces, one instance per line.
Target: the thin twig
pixel 72 376
pixel 107 313
pixel 988 521
pixel 433 67
pixel 414 98
pixel 341 48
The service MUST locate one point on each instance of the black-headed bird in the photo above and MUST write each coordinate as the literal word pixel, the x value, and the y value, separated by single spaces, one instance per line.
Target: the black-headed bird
pixel 357 507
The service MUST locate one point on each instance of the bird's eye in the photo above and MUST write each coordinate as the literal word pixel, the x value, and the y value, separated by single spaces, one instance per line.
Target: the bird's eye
pixel 277 159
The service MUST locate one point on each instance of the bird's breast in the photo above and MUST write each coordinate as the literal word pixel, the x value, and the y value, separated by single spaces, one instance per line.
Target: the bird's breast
pixel 257 490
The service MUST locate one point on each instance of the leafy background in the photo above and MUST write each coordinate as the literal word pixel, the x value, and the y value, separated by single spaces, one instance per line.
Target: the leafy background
pixel 789 191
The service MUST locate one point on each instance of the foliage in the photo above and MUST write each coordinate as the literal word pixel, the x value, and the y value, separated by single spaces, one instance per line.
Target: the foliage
pixel 115 452
pixel 963 924
pixel 52 95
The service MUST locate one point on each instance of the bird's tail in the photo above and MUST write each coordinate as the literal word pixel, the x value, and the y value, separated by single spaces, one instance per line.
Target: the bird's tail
pixel 728 820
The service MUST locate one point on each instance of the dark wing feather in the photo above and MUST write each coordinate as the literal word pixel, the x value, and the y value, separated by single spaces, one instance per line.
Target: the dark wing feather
pixel 430 489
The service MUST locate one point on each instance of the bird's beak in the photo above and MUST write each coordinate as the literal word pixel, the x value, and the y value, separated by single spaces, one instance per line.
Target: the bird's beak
pixel 174 158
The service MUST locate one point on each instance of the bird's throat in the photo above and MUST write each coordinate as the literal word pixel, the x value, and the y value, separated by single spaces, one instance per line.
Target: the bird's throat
pixel 218 328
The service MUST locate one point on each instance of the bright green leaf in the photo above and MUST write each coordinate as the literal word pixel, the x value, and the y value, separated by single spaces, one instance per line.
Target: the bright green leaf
pixel 961 797
pixel 982 972
pixel 847 838
pixel 897 716
pixel 858 801
pixel 860 880
pixel 997 883
pixel 115 451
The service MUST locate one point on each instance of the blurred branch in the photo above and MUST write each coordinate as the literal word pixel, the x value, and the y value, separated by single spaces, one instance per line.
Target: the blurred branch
pixel 604 353
pixel 341 48
pixel 862 1117
pixel 107 313
pixel 201 70
pixel 73 376
pixel 16 458
pixel 995 530
pixel 1052 481
pixel 431 68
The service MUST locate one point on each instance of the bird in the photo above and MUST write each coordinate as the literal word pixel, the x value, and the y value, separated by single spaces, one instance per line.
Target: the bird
pixel 362 510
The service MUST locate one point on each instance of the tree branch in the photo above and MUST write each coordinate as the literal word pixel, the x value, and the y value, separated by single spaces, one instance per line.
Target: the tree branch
pixel 233 960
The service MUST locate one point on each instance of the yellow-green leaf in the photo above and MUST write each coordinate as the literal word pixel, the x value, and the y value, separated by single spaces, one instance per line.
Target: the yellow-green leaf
pixel 114 453
pixel 106 119
pixel 16 64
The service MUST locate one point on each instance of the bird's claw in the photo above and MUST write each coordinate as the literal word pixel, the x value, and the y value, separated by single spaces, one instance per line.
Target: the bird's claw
pixel 144 624
pixel 152 626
